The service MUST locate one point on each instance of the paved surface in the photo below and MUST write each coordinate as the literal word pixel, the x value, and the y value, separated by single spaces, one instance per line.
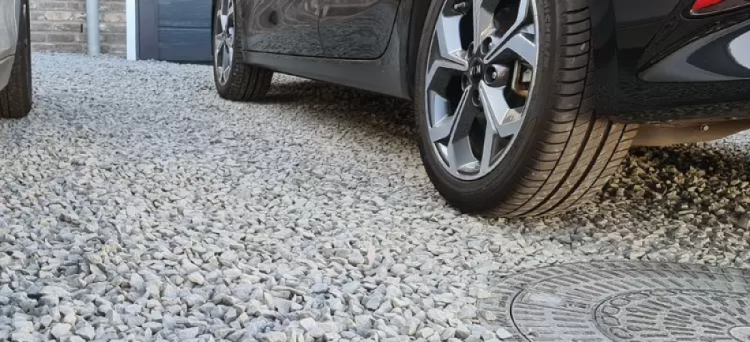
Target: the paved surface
pixel 137 205
pixel 621 301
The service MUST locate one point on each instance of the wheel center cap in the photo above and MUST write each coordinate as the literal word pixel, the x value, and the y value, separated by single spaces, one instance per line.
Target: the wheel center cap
pixel 475 70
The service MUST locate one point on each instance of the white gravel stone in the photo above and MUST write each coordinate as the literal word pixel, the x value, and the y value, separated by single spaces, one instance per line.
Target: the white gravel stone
pixel 319 288
pixel 426 332
pixel 86 332
pixel 23 326
pixel 188 333
pixel 503 334
pixel 22 337
pixel 135 202
pixel 60 330
pixel 356 258
pixel 196 278
pixel 351 287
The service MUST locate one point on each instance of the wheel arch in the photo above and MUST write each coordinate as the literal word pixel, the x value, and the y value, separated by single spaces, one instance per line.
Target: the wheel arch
pixel 416 25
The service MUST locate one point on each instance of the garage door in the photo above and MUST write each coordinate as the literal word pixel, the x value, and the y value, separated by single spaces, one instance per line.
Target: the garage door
pixel 174 30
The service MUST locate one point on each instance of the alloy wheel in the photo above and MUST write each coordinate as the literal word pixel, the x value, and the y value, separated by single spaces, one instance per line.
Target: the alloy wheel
pixel 224 40
pixel 482 61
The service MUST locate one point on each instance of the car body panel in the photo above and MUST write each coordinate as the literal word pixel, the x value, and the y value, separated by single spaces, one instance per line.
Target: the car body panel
pixel 385 74
pixel 357 29
pixel 9 13
pixel 282 26
pixel 630 39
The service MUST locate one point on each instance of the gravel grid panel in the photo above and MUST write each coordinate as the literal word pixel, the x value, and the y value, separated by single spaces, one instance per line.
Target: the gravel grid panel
pixel 136 205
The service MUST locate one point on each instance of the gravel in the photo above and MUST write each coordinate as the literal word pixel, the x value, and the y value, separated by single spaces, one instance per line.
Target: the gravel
pixel 137 205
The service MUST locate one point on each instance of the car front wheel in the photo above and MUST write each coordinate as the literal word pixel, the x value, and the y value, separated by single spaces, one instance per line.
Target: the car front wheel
pixel 504 107
pixel 234 79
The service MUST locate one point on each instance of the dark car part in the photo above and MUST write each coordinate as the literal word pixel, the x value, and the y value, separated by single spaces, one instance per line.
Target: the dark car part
pixel 16 97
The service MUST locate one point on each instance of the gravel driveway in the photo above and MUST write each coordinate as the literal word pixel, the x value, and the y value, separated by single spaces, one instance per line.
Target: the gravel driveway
pixel 137 205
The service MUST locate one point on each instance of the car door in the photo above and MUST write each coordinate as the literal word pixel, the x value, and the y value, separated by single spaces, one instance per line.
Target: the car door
pixel 282 26
pixel 357 29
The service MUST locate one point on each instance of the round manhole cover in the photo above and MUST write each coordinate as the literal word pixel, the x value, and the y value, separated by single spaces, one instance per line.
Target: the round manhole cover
pixel 622 301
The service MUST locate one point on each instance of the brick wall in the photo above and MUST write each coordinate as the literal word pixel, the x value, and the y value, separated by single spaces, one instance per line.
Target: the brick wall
pixel 60 26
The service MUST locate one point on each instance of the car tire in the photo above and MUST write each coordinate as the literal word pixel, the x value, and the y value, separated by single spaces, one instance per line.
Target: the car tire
pixel 16 98
pixel 237 81
pixel 563 154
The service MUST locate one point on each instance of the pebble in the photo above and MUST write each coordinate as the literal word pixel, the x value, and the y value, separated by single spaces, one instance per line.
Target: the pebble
pixel 274 336
pixel 503 334
pixel 60 330
pixel 86 332
pixel 196 278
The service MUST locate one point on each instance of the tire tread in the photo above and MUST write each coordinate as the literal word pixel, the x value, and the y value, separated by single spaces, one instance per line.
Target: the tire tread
pixel 579 151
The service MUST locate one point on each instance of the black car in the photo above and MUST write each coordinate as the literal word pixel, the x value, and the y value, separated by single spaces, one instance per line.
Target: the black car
pixel 523 107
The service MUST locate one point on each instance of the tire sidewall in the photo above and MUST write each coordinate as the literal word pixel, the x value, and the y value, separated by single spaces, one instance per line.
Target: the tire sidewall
pixel 487 192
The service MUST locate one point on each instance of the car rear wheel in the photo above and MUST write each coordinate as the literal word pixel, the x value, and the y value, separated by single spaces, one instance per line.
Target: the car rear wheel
pixel 504 107
pixel 15 99
pixel 234 79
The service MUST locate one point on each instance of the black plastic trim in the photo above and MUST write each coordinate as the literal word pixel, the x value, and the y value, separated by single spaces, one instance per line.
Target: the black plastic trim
pixel 386 75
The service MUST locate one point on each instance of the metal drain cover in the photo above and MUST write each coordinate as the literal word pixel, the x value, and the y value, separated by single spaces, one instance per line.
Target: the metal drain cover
pixel 622 301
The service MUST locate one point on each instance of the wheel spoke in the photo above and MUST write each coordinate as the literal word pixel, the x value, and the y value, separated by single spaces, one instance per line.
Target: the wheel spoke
pixel 524 7
pixel 224 19
pixel 442 129
pixel 459 148
pixel 219 69
pixel 230 8
pixel 520 44
pixel 517 39
pixel 450 51
pixel 487 148
pixel 230 37
pixel 226 62
pixel 461 158
pixel 498 112
pixel 218 57
pixel 449 57
pixel 511 127
pixel 482 22
pixel 227 70
pixel 464 115
pixel 524 47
